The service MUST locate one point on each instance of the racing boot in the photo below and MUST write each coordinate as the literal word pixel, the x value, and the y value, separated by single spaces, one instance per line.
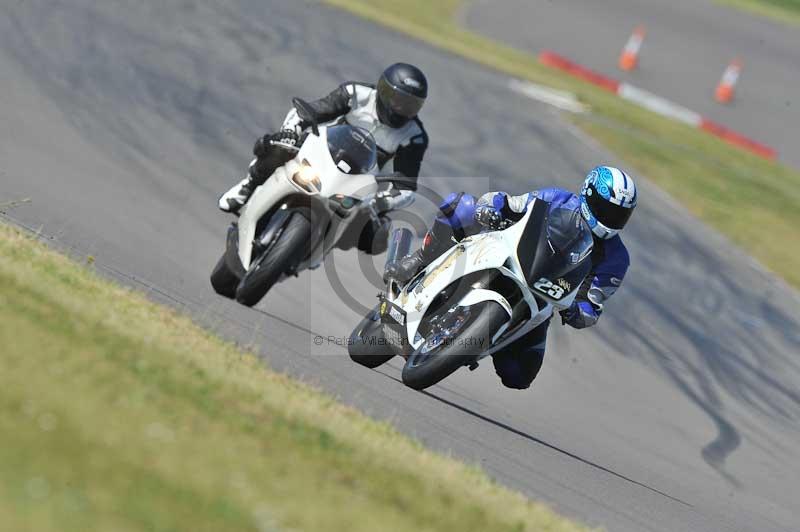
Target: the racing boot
pixel 271 151
pixel 404 269
pixel 456 222
pixel 235 198
pixel 433 245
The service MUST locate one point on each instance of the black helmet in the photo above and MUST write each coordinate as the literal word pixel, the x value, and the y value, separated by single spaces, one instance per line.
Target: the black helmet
pixel 402 90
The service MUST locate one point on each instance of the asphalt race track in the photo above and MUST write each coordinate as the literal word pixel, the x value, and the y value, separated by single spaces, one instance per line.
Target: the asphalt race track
pixel 688 45
pixel 123 121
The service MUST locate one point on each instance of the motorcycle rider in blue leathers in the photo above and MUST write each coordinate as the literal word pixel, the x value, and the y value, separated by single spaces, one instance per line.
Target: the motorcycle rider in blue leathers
pixel 606 201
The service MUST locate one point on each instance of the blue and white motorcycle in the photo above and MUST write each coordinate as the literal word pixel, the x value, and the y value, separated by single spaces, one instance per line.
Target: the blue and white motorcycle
pixel 481 295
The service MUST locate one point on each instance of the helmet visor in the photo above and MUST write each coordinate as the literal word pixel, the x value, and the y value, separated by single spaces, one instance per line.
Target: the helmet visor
pixel 398 101
pixel 609 214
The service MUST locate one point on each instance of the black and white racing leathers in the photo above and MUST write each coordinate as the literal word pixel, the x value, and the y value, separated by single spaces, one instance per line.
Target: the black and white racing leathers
pixel 400 150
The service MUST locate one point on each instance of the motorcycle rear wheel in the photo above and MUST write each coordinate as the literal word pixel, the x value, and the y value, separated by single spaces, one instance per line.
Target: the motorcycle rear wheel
pixel 223 279
pixel 367 344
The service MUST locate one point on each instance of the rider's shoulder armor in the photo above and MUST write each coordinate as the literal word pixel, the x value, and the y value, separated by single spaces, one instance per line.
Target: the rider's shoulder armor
pixel 558 198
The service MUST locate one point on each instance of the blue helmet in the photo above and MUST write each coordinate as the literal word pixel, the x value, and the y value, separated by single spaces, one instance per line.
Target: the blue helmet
pixel 608 198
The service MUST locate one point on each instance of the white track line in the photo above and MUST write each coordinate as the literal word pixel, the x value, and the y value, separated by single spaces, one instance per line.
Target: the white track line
pixel 659 105
pixel 561 99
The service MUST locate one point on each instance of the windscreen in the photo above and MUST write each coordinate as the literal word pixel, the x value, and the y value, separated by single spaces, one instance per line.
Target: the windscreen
pixel 554 249
pixel 352 148
pixel 569 239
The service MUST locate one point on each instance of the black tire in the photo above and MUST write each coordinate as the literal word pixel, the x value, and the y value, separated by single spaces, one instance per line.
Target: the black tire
pixel 363 345
pixel 422 371
pixel 223 279
pixel 290 248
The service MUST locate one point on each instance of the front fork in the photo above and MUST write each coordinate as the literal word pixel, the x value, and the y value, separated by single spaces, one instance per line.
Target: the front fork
pixel 272 232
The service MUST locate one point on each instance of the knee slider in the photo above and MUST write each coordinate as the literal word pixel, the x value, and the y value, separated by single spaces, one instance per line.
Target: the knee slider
pixel 515 382
pixel 511 373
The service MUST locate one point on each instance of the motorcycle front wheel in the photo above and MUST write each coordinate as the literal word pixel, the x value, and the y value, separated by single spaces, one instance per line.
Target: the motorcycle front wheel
pixel 286 253
pixel 439 356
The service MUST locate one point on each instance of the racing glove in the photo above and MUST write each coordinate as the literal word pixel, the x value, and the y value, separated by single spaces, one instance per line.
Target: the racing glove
pixel 293 122
pixel 286 137
pixel 393 201
pixel 489 217
pixel 495 219
pixel 581 314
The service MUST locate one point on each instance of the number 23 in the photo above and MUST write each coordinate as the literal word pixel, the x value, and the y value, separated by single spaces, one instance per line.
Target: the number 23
pixel 546 286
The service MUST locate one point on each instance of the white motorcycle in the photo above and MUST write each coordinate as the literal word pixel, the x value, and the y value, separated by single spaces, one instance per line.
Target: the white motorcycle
pixel 308 206
pixel 485 292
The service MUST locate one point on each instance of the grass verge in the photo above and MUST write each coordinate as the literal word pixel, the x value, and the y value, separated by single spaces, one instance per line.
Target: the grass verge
pixel 118 414
pixel 786 11
pixel 751 200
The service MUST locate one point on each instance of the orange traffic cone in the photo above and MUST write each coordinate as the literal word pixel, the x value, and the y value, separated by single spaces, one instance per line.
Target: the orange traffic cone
pixel 725 89
pixel 630 54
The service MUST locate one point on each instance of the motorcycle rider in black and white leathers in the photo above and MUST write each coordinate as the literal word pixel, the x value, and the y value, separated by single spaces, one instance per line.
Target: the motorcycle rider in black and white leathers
pixel 388 110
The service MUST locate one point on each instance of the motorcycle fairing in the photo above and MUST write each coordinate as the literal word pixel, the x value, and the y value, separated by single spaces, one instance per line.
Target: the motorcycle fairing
pixel 280 185
pixel 496 250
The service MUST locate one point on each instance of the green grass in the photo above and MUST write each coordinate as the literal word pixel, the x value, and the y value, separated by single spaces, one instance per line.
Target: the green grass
pixel 787 11
pixel 751 200
pixel 118 414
